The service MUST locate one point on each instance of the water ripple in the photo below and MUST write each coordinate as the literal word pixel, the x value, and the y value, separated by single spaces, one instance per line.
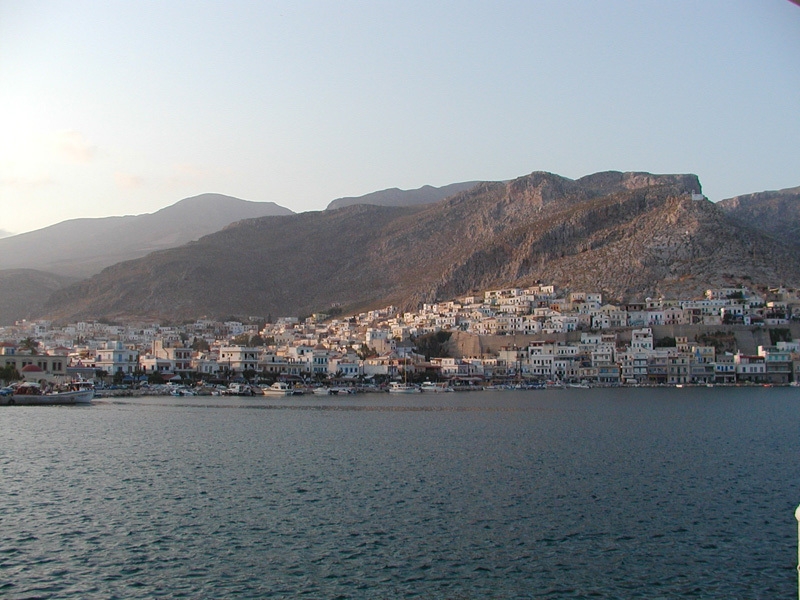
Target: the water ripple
pixel 506 495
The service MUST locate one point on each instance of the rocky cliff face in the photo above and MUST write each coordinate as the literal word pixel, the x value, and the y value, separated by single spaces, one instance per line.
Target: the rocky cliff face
pixel 775 213
pixel 23 292
pixel 625 234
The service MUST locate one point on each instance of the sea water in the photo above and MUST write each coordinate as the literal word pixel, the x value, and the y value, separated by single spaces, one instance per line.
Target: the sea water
pixel 625 493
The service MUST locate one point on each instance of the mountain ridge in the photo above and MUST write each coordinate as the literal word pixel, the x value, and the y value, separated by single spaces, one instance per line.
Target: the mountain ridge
pixel 426 194
pixel 775 212
pixel 621 233
pixel 108 240
pixel 23 292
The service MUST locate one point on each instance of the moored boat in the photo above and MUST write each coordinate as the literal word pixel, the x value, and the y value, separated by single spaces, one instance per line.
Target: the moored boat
pixel 32 394
pixel 182 390
pixel 396 387
pixel 333 391
pixel 239 389
pixel 279 388
pixel 435 387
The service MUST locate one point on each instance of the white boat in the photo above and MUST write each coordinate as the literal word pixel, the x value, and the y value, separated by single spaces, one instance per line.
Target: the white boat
pixel 396 387
pixel 436 388
pixel 279 388
pixel 182 390
pixel 333 391
pixel 341 391
pixel 239 389
pixel 32 394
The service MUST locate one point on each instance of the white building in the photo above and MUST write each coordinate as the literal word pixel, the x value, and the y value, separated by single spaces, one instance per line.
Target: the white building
pixel 115 357
pixel 239 358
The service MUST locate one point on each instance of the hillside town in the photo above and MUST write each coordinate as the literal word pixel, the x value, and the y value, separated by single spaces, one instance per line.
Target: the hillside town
pixel 533 336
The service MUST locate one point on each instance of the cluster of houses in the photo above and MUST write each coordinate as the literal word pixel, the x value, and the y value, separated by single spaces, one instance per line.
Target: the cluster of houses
pixel 551 336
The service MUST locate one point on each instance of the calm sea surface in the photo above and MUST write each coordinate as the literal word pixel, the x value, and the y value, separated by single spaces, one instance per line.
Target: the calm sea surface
pixel 665 493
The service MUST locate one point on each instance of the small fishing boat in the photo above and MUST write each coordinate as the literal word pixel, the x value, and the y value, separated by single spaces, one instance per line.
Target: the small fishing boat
pixel 279 388
pixel 333 391
pixel 395 387
pixel 32 394
pixel 435 387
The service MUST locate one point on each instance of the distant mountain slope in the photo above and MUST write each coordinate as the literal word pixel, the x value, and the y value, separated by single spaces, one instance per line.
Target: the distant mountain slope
pixel 776 213
pixel 625 234
pixel 82 247
pixel 23 292
pixel 397 197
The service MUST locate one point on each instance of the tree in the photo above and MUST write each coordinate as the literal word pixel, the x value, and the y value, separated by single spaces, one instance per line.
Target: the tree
pixel 29 344
pixel 780 335
pixel 666 342
pixel 9 373
pixel 366 352
pixel 433 344
pixel 225 372
pixel 200 345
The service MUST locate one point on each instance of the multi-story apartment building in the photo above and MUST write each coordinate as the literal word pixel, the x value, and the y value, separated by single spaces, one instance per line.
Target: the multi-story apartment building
pixel 678 369
pixel 633 365
pixel 658 367
pixel 750 367
pixel 778 364
pixel 179 356
pixel 724 369
pixel 239 358
pixel 116 357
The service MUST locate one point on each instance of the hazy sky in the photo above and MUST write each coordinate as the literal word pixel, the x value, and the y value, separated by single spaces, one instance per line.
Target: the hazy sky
pixel 124 107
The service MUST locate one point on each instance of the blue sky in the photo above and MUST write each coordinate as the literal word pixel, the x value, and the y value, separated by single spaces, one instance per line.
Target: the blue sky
pixel 125 107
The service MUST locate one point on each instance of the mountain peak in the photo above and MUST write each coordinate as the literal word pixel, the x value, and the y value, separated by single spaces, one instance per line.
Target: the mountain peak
pixel 54 248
